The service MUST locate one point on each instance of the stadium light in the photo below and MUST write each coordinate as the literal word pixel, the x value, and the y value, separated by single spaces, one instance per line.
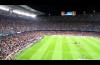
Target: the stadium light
pixel 33 16
pixel 4 8
pixel 23 13
pixel 20 12
pixel 84 12
pixel 94 11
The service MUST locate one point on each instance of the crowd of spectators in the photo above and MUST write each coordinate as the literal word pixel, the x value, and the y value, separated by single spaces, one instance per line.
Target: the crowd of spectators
pixel 40 26
pixel 11 43
pixel 10 25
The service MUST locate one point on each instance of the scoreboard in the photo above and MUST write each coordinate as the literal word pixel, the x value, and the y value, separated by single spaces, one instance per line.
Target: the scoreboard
pixel 70 13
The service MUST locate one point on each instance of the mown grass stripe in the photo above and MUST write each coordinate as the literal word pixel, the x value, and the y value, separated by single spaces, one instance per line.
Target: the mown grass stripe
pixel 50 50
pixel 27 53
pixel 94 44
pixel 97 41
pixel 65 48
pixel 76 46
pixel 62 48
pixel 95 48
pixel 57 55
pixel 41 50
pixel 90 52
pixel 82 50
pixel 74 51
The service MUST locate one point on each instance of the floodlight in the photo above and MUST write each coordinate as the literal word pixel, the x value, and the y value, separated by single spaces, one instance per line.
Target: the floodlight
pixel 4 8
pixel 33 16
pixel 23 13
pixel 20 12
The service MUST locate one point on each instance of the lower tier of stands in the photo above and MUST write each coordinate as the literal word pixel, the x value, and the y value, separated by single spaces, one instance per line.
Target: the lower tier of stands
pixel 12 44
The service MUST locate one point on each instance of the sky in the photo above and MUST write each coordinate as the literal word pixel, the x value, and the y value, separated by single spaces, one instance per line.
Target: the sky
pixel 72 5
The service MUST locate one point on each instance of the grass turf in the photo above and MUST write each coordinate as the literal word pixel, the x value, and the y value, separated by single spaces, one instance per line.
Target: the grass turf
pixel 59 47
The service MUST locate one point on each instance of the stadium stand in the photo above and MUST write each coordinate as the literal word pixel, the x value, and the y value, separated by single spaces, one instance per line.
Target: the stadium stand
pixel 17 33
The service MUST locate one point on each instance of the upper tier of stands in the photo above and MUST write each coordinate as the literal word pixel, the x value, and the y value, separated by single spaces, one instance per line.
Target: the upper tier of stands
pixel 12 25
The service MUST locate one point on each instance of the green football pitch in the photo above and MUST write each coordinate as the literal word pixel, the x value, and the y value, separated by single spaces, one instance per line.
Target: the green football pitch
pixel 57 47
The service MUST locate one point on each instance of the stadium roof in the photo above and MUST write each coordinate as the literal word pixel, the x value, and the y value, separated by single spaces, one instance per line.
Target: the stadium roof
pixel 21 8
pixel 32 10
